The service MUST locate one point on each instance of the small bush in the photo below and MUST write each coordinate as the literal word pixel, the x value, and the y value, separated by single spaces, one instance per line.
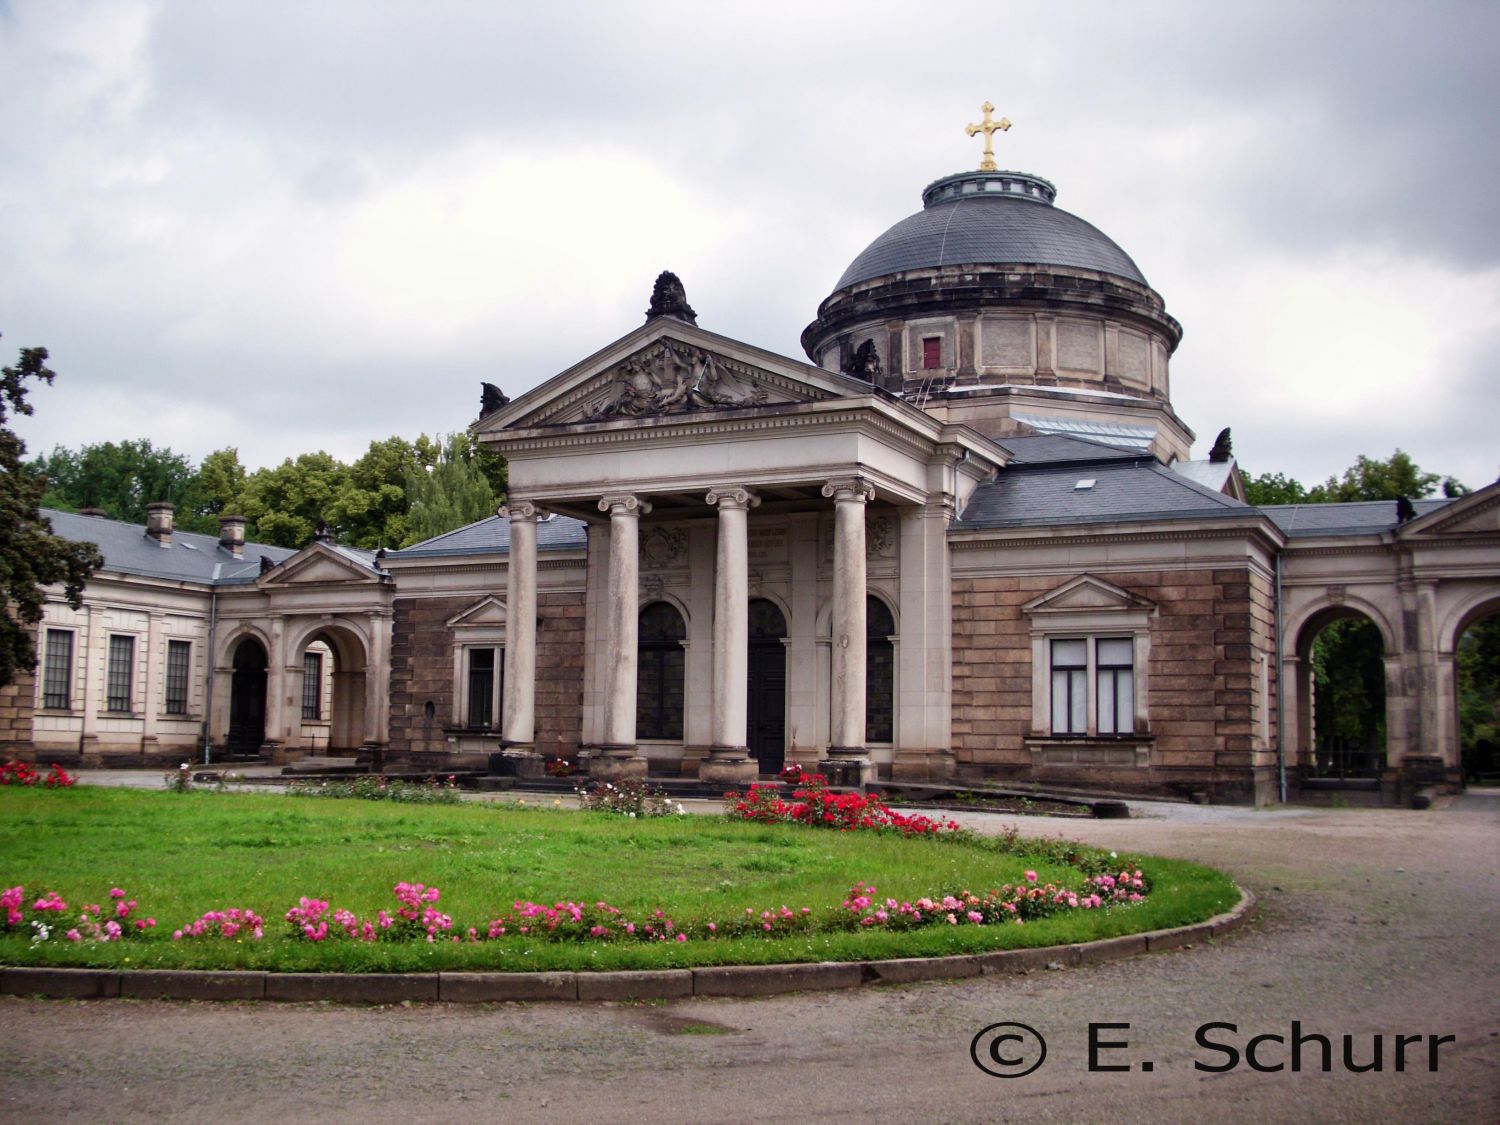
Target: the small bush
pixel 373 788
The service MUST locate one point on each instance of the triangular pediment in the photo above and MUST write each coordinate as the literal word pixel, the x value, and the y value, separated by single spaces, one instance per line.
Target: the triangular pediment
pixel 1475 514
pixel 665 370
pixel 487 613
pixel 317 565
pixel 1087 593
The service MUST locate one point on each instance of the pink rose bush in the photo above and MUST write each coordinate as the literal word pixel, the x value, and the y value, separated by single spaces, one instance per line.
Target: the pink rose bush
pixel 94 923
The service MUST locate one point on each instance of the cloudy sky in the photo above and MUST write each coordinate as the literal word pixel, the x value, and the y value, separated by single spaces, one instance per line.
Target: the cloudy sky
pixel 287 226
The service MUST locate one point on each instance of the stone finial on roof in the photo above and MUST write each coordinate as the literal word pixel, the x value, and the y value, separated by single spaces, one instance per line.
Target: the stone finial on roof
pixel 321 534
pixel 669 298
pixel 1405 510
pixel 1223 450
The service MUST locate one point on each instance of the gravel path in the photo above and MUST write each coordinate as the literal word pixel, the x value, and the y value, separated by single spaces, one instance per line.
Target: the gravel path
pixel 1371 922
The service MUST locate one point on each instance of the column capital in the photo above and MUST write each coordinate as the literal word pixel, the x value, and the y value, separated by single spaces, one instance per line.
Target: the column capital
pixel 732 496
pixel 516 510
pixel 617 502
pixel 849 488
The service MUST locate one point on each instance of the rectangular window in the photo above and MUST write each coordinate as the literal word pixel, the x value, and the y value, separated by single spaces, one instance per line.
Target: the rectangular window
pixel 57 671
pixel 932 352
pixel 1070 677
pixel 312 686
pixel 121 672
pixel 481 688
pixel 1115 664
pixel 178 655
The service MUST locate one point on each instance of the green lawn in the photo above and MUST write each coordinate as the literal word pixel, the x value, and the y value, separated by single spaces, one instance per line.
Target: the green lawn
pixel 182 854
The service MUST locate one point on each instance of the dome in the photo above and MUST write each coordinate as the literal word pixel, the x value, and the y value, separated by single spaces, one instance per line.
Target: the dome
pixel 990 218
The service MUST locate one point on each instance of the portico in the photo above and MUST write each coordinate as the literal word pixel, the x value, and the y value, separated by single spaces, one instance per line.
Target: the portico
pixel 805 492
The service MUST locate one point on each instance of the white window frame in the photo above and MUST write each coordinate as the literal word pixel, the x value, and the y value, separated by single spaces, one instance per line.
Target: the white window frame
pixel 497 686
pixel 1089 609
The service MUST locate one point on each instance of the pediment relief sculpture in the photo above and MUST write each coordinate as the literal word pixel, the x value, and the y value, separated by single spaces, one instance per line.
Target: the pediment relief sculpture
pixel 670 377
pixel 1086 593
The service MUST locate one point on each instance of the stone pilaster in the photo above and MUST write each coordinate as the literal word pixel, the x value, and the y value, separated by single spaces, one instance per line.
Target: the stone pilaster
pixel 619 756
pixel 847 763
pixel 729 760
pixel 518 719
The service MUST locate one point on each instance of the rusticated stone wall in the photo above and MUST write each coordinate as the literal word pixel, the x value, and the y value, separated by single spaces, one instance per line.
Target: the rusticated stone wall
pixel 16 707
pixel 422 670
pixel 1209 691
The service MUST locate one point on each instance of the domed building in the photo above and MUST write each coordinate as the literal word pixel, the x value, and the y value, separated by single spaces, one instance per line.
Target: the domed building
pixel 995 308
pixel 966 543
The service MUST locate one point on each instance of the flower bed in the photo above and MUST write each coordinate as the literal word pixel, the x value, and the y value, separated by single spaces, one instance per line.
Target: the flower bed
pixel 26 775
pixel 815 805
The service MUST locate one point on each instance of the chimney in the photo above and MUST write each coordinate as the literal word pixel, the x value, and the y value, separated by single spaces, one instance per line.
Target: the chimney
pixel 93 513
pixel 232 535
pixel 159 522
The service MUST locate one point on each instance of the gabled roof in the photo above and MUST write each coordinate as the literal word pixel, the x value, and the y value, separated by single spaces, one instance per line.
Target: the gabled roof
pixel 1361 517
pixel 190 557
pixel 1138 488
pixel 492 537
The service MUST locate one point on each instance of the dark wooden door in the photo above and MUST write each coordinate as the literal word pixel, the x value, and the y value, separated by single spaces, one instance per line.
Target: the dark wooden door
pixel 247 699
pixel 766 711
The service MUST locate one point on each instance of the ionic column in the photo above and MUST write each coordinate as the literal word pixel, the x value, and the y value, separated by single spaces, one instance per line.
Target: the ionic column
pixel 847 734
pixel 729 761
pixel 619 757
pixel 518 720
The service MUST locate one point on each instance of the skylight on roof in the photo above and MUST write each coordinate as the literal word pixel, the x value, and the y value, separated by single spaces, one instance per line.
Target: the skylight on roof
pixel 189 546
pixel 1085 484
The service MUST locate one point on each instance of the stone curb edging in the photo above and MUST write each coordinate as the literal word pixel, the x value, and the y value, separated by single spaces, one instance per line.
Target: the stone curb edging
pixel 656 984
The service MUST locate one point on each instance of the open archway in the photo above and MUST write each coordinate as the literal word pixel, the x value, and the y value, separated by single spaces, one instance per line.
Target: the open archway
pixel 1477 659
pixel 1341 697
pixel 333 713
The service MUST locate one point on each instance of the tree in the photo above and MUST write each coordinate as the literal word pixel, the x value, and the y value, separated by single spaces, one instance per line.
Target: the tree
pixel 214 491
pixel 1367 479
pixel 286 503
pixel 453 492
pixel 1274 488
pixel 121 478
pixel 370 511
pixel 31 557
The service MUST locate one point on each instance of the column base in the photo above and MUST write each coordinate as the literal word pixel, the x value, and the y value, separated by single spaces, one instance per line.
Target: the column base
pixel 847 769
pixel 617 763
pixel 517 760
pixel 728 768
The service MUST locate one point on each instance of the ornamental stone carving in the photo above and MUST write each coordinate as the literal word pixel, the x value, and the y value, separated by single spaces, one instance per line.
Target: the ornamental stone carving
pixel 732 496
pixel 672 378
pixel 663 546
pixel 880 535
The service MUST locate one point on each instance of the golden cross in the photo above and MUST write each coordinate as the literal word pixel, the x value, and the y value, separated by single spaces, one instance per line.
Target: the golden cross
pixel 989 128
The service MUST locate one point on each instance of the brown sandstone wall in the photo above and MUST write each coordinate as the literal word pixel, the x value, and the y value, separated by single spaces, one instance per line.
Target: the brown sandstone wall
pixel 422 671
pixel 16 708
pixel 1203 678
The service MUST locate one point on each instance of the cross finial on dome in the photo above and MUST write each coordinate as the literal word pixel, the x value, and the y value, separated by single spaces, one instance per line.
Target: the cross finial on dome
pixel 989 128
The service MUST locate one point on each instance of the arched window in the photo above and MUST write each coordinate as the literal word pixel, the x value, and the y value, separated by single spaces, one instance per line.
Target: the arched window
pixel 659 695
pixel 880 672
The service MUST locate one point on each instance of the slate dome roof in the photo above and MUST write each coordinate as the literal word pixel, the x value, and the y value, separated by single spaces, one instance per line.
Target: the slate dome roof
pixel 990 218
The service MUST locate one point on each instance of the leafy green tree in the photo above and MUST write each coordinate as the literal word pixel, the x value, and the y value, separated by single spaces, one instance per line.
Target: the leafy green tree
pixel 1274 488
pixel 371 509
pixel 31 557
pixel 119 477
pixel 1349 684
pixel 1479 696
pixel 286 503
pixel 214 491
pixel 1368 479
pixel 454 491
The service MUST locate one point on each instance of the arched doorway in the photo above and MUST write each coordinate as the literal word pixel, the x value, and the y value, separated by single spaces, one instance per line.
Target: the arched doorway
pixel 880 672
pixel 247 698
pixel 337 709
pixel 659 692
pixel 1477 657
pixel 766 711
pixel 1343 697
